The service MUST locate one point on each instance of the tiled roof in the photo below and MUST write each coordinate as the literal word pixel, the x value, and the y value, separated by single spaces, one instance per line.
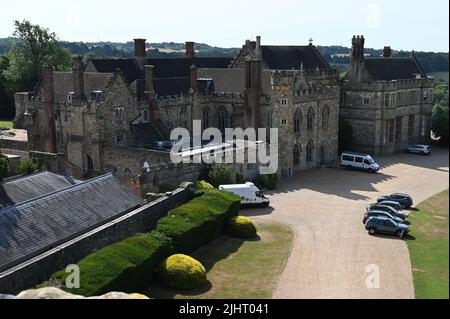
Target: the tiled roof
pixel 129 67
pixel 20 189
pixel 292 57
pixel 386 69
pixel 150 132
pixel 35 226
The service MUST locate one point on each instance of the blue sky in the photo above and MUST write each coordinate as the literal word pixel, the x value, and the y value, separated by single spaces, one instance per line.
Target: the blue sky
pixel 402 24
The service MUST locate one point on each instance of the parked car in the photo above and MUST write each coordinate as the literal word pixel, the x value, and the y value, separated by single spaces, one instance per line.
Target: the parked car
pixel 249 194
pixel 403 199
pixel 392 204
pixel 386 225
pixel 387 209
pixel 359 161
pixel 379 213
pixel 419 149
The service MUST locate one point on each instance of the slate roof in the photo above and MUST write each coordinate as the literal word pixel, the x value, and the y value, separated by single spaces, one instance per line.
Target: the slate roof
pixel 150 132
pixel 35 226
pixel 387 69
pixel 20 189
pixel 291 57
pixel 171 75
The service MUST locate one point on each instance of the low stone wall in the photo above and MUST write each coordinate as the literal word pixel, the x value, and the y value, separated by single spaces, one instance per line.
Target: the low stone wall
pixel 40 268
pixel 13 144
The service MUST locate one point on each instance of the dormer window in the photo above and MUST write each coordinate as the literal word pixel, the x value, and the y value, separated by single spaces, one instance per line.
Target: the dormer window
pixel 69 97
pixel 96 96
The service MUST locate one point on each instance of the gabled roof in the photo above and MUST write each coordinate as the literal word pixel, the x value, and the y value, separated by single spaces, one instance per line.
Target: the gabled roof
pixel 387 69
pixel 150 132
pixel 129 68
pixel 292 57
pixel 20 189
pixel 63 83
pixel 35 226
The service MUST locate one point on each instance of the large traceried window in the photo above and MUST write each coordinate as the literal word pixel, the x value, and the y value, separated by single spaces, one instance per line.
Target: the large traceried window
pixel 297 120
pixel 310 120
pixel 296 154
pixel 325 117
pixel 309 151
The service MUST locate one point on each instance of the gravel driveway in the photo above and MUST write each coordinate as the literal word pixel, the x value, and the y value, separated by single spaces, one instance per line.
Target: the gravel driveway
pixel 332 250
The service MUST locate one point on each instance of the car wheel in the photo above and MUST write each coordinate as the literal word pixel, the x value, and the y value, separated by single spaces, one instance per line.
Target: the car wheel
pixel 422 153
pixel 372 231
pixel 371 171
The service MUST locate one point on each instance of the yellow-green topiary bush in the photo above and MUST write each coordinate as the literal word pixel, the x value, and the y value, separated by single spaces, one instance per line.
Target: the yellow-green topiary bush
pixel 204 184
pixel 182 272
pixel 241 227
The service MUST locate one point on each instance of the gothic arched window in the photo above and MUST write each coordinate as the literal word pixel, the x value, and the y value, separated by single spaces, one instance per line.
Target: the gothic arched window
pixel 223 118
pixel 310 121
pixel 309 151
pixel 296 154
pixel 297 119
pixel 325 117
pixel 205 117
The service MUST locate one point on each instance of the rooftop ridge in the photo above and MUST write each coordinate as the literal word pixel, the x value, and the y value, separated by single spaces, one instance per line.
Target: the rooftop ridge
pixel 56 192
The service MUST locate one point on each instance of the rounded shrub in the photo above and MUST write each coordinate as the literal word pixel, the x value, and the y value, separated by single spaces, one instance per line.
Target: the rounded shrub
pixel 204 184
pixel 182 272
pixel 241 227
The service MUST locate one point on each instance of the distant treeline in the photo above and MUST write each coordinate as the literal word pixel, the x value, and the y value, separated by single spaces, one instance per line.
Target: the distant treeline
pixel 430 61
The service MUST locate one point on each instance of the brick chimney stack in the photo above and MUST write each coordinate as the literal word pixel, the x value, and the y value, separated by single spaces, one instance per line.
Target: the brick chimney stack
pixel 194 78
pixel 258 52
pixel 190 51
pixel 358 48
pixel 154 111
pixel 387 52
pixel 78 80
pixel 139 48
pixel 49 98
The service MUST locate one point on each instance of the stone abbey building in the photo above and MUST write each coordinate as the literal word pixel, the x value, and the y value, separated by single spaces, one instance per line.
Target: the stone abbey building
pixel 387 101
pixel 114 115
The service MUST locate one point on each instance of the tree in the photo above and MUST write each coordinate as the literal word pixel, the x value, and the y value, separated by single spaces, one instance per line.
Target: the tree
pixel 345 135
pixel 4 166
pixel 440 123
pixel 37 47
pixel 26 167
pixel 219 174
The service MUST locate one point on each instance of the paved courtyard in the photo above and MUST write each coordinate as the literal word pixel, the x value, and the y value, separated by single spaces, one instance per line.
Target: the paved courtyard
pixel 332 250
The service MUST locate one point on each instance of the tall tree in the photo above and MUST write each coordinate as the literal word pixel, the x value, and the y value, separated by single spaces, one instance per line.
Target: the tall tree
pixel 37 46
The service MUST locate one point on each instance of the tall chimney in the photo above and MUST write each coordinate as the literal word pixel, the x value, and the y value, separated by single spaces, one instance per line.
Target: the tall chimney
pixel 258 52
pixel 49 98
pixel 194 78
pixel 190 52
pixel 387 52
pixel 253 92
pixel 154 111
pixel 358 48
pixel 139 48
pixel 78 80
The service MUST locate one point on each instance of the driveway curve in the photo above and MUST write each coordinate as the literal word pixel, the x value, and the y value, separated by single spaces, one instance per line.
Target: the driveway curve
pixel 333 256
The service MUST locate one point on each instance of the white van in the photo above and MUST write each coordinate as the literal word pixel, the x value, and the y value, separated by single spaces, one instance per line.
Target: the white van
pixel 360 161
pixel 248 192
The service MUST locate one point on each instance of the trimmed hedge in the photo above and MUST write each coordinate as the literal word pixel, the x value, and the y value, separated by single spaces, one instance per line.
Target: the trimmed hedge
pixel 182 272
pixel 202 219
pixel 241 227
pixel 129 265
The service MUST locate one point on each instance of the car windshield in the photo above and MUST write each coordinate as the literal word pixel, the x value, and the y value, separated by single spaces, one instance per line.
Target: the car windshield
pixel 371 161
pixel 259 194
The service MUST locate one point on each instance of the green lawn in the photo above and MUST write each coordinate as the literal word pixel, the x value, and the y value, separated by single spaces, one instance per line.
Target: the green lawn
pixel 6 124
pixel 440 77
pixel 429 247
pixel 238 268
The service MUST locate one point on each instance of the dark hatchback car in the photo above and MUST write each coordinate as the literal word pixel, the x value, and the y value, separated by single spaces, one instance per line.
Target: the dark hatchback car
pixel 386 225
pixel 403 199
pixel 378 213
pixel 387 209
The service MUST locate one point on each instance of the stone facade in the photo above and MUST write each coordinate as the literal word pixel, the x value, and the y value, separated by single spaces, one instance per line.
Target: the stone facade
pixel 387 101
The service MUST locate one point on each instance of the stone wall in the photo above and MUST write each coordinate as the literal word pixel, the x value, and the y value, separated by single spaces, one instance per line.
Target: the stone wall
pixel 38 269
